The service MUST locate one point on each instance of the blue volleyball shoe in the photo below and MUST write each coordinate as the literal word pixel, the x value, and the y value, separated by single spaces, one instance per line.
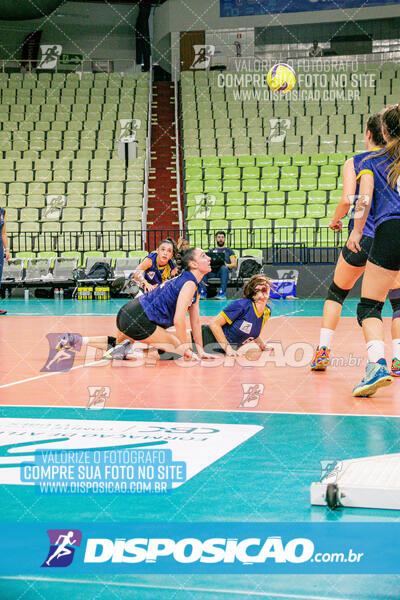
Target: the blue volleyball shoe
pixel 376 376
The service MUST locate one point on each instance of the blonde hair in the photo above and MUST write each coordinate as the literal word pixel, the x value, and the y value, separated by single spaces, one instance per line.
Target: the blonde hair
pixel 249 290
pixel 391 121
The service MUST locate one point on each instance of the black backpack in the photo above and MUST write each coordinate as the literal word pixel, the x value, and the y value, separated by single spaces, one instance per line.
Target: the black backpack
pixel 100 272
pixel 248 268
pixel 217 259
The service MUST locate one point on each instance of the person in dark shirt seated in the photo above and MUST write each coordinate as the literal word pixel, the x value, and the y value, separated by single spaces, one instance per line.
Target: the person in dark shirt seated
pixel 223 259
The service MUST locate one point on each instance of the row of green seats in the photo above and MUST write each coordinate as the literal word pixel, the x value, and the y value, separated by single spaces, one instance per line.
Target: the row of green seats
pixel 263 185
pixel 271 197
pixel 73 187
pixel 256 211
pixel 197 173
pixel 265 160
pixel 78 200
pixel 82 256
pixel 76 214
pixel 74 227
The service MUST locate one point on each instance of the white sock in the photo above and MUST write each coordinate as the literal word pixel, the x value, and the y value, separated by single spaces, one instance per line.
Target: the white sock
pixel 85 341
pixel 396 348
pixel 376 350
pixel 325 337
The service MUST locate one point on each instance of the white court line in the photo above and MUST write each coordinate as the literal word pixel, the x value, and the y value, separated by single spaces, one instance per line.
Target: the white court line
pixel 232 592
pixel 212 410
pixel 96 362
pixel 7 385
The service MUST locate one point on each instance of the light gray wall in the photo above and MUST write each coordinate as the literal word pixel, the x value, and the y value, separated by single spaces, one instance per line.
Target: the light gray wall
pixel 185 15
pixel 94 30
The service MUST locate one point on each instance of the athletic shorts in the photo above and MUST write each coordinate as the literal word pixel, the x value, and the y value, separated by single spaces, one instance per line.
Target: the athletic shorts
pixel 359 259
pixel 133 321
pixel 385 251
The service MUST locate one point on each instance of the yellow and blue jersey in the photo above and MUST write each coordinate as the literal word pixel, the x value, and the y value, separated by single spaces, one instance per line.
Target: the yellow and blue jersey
pixel 358 161
pixel 160 304
pixel 385 201
pixel 243 322
pixel 157 274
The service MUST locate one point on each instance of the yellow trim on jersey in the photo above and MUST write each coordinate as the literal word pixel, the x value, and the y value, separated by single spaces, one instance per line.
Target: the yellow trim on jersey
pixel 267 314
pixel 363 172
pixel 227 319
pixel 255 310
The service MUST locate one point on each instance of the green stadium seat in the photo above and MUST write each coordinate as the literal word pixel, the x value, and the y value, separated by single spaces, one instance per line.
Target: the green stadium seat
pixel 290 171
pixel 295 211
pixel 309 171
pixel 255 211
pixel 275 197
pixel 193 161
pixel 210 161
pixel 235 198
pixel 250 185
pixel 231 185
pixel 228 161
pixel 301 160
pixel 325 236
pixel 255 198
pixel 212 173
pixel 308 183
pixel 268 185
pixel 335 195
pixel 234 211
pixel 218 224
pixel 212 185
pixel 330 170
pixel 287 184
pixel 264 160
pixel 216 212
pixel 274 211
pixel 337 158
pixel 270 172
pixel 231 173
pixel 239 235
pixel 193 173
pixel 319 159
pixel 195 187
pixel 246 161
pixel 251 173
pixel 282 160
pixel 262 234
pixel 316 211
pixel 327 183
pixel 296 197
pixel 317 197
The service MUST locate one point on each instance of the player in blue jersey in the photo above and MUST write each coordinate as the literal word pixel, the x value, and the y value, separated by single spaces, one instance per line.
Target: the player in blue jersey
pixel 350 265
pixel 241 321
pixel 148 317
pixel 157 267
pixel 379 186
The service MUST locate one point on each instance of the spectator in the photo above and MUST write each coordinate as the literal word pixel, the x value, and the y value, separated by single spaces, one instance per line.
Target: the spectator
pixel 315 50
pixel 182 245
pixel 222 260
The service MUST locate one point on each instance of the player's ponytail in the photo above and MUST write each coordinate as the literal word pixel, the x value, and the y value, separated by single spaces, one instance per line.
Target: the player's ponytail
pixel 391 125
pixel 187 258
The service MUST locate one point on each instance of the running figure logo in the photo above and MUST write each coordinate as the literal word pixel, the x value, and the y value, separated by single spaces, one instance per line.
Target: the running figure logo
pixel 50 56
pixel 61 356
pixel 202 56
pixel 62 547
pixel 252 393
pixel 279 128
pixel 330 470
pixel 98 395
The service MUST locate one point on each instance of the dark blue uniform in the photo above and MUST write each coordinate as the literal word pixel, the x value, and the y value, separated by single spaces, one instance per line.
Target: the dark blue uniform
pixel 139 318
pixel 359 259
pixel 157 274
pixel 243 322
pixel 385 251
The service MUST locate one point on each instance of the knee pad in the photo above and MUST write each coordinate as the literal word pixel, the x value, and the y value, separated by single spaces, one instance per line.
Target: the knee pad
pixel 369 309
pixel 394 297
pixel 336 294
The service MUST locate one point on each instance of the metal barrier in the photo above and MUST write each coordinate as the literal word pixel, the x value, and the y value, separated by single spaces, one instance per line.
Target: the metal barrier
pixel 281 245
